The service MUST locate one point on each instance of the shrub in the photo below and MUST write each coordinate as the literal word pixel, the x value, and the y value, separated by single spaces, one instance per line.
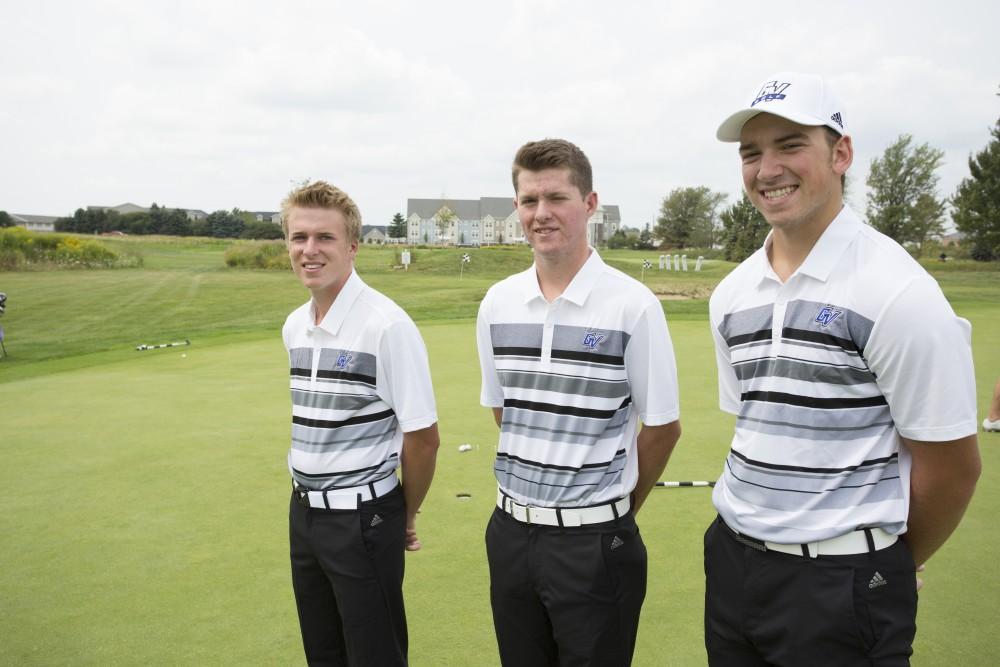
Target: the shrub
pixel 21 249
pixel 257 256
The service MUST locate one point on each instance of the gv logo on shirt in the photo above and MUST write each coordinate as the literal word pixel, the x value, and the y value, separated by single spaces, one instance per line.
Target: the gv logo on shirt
pixel 592 339
pixel 344 360
pixel 827 315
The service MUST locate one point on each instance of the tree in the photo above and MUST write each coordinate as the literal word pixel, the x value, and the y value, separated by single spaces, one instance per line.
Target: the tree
pixel 743 230
pixel 688 217
pixel 261 230
pixel 618 240
pixel 397 228
pixel 443 220
pixel 223 224
pixel 168 221
pixel 6 220
pixel 645 239
pixel 902 192
pixel 977 201
pixel 89 221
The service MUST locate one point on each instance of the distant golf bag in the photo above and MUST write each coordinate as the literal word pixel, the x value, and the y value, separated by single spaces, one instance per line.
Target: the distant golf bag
pixel 3 309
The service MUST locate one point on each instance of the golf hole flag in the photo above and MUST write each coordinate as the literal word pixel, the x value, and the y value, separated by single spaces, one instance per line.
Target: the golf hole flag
pixel 646 264
pixel 465 260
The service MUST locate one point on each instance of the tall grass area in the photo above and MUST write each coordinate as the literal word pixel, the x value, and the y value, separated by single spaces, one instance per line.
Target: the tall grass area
pixel 22 250
pixel 143 494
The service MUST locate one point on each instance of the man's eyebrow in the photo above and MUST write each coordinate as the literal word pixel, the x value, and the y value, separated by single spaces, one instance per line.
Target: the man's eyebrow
pixel 789 137
pixel 780 140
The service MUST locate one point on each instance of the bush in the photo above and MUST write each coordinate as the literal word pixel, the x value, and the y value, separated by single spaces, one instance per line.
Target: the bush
pixel 258 256
pixel 21 249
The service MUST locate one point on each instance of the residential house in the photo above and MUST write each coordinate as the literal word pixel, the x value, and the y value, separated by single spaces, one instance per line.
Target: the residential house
pixel 374 234
pixel 267 216
pixel 35 223
pixel 486 221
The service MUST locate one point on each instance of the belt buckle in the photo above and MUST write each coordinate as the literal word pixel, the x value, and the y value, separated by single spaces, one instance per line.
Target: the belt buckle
pixel 302 497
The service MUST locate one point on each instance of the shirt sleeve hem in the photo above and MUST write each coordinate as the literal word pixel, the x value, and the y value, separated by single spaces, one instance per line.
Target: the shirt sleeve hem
pixel 940 433
pixel 660 418
pixel 418 423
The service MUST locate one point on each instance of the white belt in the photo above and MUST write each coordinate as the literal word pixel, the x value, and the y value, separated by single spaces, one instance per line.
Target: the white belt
pixel 854 542
pixel 555 516
pixel 348 498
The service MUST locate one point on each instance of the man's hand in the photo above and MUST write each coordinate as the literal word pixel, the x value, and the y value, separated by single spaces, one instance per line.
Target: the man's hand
pixel 654 445
pixel 412 541
pixel 418 461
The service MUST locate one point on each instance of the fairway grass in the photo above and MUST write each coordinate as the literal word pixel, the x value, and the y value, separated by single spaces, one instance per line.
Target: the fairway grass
pixel 143 495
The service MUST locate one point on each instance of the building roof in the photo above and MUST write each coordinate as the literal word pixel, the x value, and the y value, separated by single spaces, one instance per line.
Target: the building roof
pixel 498 207
pixel 37 219
pixel 611 213
pixel 464 209
pixel 127 207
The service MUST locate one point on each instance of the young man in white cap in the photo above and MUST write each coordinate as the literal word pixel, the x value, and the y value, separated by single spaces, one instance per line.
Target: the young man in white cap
pixel 851 378
pixel 574 355
pixel 362 406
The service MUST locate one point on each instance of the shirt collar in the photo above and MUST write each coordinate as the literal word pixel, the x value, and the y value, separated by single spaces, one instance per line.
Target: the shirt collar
pixel 825 253
pixel 831 245
pixel 337 314
pixel 578 289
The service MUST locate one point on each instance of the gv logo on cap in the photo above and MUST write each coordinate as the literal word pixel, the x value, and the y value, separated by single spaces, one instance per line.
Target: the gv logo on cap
pixel 772 90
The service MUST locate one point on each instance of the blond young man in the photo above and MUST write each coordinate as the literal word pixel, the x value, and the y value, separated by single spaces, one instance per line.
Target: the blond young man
pixel 851 378
pixel 574 356
pixel 362 406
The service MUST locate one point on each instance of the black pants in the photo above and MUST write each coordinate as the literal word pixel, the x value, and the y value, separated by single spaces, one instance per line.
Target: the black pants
pixel 347 573
pixel 770 608
pixel 565 596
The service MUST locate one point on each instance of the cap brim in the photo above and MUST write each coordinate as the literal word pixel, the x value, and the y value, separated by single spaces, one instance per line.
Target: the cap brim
pixel 731 127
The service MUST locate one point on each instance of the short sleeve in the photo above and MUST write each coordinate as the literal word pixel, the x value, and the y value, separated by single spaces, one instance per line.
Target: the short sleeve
pixel 491 392
pixel 404 376
pixel 652 369
pixel 921 354
pixel 729 384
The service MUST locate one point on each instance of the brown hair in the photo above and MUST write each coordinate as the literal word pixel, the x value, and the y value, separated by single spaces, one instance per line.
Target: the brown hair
pixel 555 154
pixel 320 194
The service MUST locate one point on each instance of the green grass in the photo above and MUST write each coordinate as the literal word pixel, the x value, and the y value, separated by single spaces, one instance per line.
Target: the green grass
pixel 142 494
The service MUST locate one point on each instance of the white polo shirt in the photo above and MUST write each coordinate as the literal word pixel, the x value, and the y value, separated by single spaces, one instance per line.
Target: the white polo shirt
pixel 360 379
pixel 574 378
pixel 824 373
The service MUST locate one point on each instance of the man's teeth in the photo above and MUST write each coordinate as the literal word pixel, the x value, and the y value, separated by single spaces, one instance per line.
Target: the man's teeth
pixel 774 194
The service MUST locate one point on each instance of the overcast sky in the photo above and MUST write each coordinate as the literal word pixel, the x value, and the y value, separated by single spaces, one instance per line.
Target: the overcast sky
pixel 214 104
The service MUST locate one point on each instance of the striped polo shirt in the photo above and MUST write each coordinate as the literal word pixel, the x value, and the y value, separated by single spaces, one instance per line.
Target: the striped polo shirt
pixel 824 372
pixel 574 378
pixel 359 380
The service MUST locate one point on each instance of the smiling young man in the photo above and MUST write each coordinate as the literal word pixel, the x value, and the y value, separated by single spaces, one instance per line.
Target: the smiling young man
pixel 574 355
pixel 851 378
pixel 362 406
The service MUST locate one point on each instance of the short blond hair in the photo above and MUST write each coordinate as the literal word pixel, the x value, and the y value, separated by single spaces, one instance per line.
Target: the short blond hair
pixel 320 194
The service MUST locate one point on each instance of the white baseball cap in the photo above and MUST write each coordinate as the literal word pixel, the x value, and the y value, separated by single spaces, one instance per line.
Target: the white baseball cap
pixel 805 99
